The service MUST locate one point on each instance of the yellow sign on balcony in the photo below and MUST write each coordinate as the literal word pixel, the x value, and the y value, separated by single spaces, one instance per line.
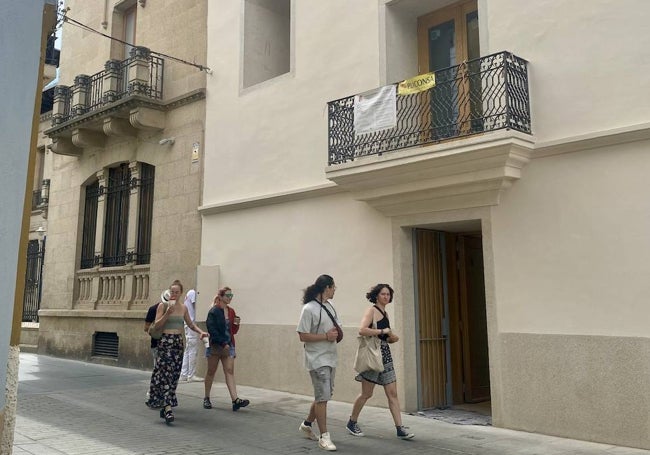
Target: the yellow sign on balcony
pixel 417 84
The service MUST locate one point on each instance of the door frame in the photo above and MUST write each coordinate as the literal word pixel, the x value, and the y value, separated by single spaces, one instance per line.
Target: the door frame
pixel 455 12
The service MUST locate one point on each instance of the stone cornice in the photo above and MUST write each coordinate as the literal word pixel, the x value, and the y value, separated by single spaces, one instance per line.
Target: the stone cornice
pixel 605 138
pixel 268 199
pixel 111 314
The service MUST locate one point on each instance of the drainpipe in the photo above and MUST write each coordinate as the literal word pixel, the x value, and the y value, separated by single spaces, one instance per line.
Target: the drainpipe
pixel 105 21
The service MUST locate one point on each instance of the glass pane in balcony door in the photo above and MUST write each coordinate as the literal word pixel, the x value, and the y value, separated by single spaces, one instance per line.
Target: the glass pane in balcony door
pixel 442 48
pixel 444 97
pixel 474 72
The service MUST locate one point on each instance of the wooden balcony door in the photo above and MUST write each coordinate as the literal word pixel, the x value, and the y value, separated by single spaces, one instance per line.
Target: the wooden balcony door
pixel 446 38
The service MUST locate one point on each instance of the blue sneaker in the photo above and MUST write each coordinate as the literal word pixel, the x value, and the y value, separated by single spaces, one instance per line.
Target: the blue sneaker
pixel 353 428
pixel 402 433
pixel 239 403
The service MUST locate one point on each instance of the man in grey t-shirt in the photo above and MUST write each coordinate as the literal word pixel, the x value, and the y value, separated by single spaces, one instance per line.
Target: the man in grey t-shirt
pixel 319 329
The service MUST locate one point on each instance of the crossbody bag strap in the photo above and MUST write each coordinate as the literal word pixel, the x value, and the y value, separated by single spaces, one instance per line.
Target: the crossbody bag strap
pixel 336 324
pixel 165 308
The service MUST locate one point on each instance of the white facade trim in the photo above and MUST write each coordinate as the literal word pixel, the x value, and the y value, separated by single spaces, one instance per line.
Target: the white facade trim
pixel 325 189
pixel 605 138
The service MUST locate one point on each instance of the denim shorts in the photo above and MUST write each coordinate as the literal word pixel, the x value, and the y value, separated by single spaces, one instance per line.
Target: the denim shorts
pixel 231 353
pixel 323 381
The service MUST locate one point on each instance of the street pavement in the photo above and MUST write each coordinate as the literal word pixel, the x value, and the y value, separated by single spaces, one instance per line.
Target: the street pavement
pixel 69 407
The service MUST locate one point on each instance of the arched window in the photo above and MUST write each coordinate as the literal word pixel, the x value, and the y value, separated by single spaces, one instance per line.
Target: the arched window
pixel 120 240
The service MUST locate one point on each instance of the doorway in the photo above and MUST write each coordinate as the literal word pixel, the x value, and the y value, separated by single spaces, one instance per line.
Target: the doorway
pixel 453 357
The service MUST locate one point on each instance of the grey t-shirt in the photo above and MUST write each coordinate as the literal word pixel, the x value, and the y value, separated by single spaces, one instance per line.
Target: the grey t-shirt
pixel 314 319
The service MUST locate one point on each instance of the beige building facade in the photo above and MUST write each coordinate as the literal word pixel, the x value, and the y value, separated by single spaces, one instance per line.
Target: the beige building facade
pixel 506 205
pixel 126 170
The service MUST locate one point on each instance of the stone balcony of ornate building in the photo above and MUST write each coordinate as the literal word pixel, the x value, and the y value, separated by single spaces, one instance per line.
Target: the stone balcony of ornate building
pixel 457 144
pixel 126 96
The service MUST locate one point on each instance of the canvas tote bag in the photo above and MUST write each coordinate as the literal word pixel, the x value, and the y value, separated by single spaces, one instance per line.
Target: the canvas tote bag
pixel 368 356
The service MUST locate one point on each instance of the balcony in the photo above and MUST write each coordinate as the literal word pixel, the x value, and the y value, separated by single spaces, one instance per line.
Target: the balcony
pixel 51 61
pixel 458 144
pixel 40 197
pixel 114 288
pixel 124 97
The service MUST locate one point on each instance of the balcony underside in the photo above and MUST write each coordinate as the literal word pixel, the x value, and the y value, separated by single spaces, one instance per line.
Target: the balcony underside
pixel 123 118
pixel 463 173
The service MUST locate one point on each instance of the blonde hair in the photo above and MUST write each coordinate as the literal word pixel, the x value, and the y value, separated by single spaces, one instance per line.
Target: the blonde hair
pixel 176 283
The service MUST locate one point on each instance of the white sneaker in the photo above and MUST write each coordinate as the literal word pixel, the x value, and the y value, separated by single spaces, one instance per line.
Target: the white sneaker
pixel 182 379
pixel 194 379
pixel 308 432
pixel 325 443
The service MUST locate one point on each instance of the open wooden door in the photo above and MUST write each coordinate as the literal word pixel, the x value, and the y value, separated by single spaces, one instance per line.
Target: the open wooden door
pixel 452 323
pixel 430 301
pixel 473 323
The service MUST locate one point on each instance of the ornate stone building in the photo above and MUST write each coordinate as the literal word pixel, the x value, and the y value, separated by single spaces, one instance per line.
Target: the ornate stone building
pixel 126 173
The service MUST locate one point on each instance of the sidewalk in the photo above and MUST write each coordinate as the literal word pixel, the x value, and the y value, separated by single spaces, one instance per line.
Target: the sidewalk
pixel 68 407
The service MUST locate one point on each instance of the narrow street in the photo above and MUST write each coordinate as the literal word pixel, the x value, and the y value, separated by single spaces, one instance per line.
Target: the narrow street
pixel 69 407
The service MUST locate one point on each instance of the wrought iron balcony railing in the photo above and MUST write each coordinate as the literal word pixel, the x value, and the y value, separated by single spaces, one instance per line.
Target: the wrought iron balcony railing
pixel 485 94
pixel 140 74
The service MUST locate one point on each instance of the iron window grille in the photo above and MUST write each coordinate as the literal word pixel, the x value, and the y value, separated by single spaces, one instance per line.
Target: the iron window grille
pixel 33 280
pixel 89 229
pixel 117 216
pixel 117 194
pixel 143 251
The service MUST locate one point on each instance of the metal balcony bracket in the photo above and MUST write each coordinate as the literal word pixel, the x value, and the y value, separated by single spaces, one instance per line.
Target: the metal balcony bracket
pixel 87 138
pixel 120 127
pixel 144 118
pixel 64 146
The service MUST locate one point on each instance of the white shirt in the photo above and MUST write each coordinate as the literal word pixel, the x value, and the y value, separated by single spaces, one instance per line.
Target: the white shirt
pixel 190 303
pixel 314 319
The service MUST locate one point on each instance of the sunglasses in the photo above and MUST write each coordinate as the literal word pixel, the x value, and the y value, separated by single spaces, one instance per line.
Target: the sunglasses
pixel 229 295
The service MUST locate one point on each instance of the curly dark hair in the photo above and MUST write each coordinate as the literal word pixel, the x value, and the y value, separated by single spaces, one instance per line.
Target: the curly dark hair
pixel 375 290
pixel 317 288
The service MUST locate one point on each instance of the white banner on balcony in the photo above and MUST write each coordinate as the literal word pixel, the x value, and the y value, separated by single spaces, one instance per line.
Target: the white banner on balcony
pixel 375 110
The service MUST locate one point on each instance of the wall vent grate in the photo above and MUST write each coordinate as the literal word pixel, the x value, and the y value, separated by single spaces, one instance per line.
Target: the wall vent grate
pixel 106 344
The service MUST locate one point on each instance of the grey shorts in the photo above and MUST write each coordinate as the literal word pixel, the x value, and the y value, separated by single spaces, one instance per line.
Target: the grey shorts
pixel 323 381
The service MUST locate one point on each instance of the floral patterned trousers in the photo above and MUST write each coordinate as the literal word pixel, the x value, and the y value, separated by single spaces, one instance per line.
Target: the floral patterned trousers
pixel 164 378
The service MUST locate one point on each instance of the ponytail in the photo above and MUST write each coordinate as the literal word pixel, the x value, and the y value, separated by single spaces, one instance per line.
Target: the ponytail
pixel 317 288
